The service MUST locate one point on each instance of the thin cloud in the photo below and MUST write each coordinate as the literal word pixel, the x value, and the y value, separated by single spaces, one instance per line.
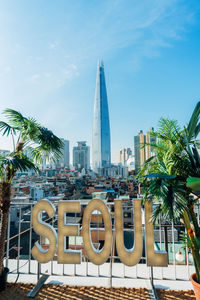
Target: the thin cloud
pixel 45 59
pixel 145 27
pixel 104 28
pixel 34 77
pixel 53 45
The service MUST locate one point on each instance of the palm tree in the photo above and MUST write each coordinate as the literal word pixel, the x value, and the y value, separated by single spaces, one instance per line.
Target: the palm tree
pixel 165 177
pixel 28 137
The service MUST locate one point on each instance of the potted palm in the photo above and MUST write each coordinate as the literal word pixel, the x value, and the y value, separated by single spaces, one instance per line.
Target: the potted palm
pixel 30 137
pixel 164 178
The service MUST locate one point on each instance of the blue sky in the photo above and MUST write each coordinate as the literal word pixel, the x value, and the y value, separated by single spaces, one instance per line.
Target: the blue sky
pixel 48 57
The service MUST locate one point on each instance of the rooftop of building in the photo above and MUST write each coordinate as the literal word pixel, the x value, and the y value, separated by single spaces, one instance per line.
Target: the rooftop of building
pixel 19 291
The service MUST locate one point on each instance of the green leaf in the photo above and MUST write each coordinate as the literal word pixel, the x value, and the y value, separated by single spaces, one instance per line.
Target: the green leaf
pixel 198 242
pixel 6 128
pixel 157 175
pixel 185 240
pixel 193 126
pixel 15 118
pixel 193 183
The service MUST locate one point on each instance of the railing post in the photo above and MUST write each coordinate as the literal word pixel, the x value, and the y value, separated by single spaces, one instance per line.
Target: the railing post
pixel 151 275
pixel 166 240
pixel 174 256
pixel 111 256
pixel 30 241
pixel 39 271
pixel 19 235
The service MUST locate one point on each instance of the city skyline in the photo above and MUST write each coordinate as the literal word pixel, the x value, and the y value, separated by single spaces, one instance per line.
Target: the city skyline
pixel 48 60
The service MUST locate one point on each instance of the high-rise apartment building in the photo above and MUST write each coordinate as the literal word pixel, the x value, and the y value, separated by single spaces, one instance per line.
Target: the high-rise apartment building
pixel 137 151
pixel 81 156
pixel 149 139
pixel 64 159
pixel 142 153
pixel 101 153
pixel 124 155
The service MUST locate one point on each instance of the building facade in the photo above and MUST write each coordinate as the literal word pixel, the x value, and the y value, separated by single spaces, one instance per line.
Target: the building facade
pixel 101 152
pixel 124 155
pixel 142 153
pixel 81 156
pixel 137 151
pixel 64 159
pixel 149 139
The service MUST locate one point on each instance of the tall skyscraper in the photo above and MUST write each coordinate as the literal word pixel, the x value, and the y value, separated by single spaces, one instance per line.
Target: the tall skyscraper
pixel 143 153
pixel 81 156
pixel 137 145
pixel 64 159
pixel 149 139
pixel 101 154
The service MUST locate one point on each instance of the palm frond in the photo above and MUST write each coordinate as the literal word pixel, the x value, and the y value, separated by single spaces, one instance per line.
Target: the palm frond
pixel 168 129
pixel 28 127
pixel 18 161
pixel 193 183
pixel 197 144
pixel 156 145
pixel 49 142
pixel 41 154
pixel 168 192
pixel 23 163
pixel 197 130
pixel 196 158
pixel 15 118
pixel 157 175
pixel 185 240
pixel 156 213
pixel 193 127
pixel 6 128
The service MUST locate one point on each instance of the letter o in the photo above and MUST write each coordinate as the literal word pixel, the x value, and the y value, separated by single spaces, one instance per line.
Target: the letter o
pixel 98 257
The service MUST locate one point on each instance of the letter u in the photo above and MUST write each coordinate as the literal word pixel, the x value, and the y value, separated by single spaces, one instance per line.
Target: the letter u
pixel 129 257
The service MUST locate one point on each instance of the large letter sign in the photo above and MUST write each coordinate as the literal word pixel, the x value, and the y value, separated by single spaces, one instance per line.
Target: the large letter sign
pixel 96 256
pixel 44 229
pixel 64 229
pixel 154 258
pixel 129 257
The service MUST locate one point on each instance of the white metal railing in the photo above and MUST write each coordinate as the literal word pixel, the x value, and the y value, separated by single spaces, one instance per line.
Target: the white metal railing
pixel 20 236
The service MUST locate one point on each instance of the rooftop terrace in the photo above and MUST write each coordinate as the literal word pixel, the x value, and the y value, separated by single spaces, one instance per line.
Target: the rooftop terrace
pixel 111 277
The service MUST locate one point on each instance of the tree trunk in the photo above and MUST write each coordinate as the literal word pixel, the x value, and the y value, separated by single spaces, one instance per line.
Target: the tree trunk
pixel 4 220
pixel 4 206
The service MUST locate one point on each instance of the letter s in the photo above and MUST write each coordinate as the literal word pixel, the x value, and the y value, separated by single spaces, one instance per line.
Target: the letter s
pixel 44 229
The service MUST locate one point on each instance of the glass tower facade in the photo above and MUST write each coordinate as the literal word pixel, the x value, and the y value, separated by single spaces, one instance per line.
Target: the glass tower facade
pixel 81 156
pixel 101 154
